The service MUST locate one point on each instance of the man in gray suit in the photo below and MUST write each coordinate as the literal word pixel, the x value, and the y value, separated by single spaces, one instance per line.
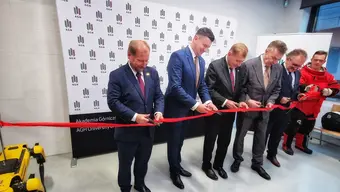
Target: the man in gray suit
pixel 261 87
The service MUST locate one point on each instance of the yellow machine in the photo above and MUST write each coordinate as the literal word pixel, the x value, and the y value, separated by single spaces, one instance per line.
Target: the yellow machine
pixel 14 162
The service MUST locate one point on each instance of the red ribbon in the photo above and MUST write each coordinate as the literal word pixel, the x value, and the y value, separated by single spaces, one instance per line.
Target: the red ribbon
pixel 115 125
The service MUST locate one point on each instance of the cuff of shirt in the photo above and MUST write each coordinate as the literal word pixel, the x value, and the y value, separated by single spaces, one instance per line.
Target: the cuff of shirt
pixel 157 112
pixel 207 102
pixel 134 118
pixel 195 106
pixel 225 102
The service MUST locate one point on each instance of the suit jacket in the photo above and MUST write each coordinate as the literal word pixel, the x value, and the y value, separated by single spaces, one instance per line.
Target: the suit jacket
pixel 181 92
pixel 219 83
pixel 286 87
pixel 253 84
pixel 125 99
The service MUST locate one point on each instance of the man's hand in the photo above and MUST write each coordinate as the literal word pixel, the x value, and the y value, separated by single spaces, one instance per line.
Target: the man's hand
pixel 231 104
pixel 269 105
pixel 142 118
pixel 243 105
pixel 158 117
pixel 301 97
pixel 284 100
pixel 202 108
pixel 212 107
pixel 254 104
pixel 327 92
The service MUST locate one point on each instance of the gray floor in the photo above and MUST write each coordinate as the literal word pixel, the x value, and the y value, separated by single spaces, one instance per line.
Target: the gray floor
pixel 319 172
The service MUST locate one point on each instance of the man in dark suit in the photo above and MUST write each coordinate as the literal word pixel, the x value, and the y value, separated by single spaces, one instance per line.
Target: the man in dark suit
pixel 186 79
pixel 224 81
pixel 261 87
pixel 134 96
pixel 278 119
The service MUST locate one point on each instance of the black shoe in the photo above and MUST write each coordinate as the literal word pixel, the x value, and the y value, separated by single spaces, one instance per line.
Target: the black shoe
pixel 274 161
pixel 261 171
pixel 184 173
pixel 221 172
pixel 176 180
pixel 235 166
pixel 210 173
pixel 305 150
pixel 288 150
pixel 142 188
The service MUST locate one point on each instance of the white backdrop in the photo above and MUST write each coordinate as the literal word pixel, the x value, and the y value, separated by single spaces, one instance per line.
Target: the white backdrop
pixel 95 36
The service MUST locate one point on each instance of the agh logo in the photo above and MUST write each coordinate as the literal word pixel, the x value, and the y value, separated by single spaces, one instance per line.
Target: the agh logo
pixel 176 38
pixel 104 92
pixel 228 24
pixel 92 54
pixel 161 59
pixel 109 5
pixel 154 24
pixel 169 26
pixel 129 33
pixel 168 48
pixel 86 93
pixel 89 27
pixel 101 43
pixel 128 8
pixel 204 20
pixel 119 19
pixel 191 19
pixel 96 104
pixel 221 33
pixel 161 80
pixel 218 52
pixel 74 80
pixel 94 80
pixel 68 25
pixel 146 11
pixel 162 14
pixel 161 36
pixel 121 65
pixel 197 28
pixel 183 46
pixel 146 35
pixel 207 52
pixel 214 43
pixel 120 44
pixel 87 3
pixel 102 68
pixel 76 105
pixel 154 47
pixel 137 22
pixel 81 42
pixel 83 67
pixel 65 0
pixel 77 12
pixel 217 22
pixel 110 30
pixel 231 34
pixel 225 43
pixel 189 39
pixel 112 56
pixel 72 53
pixel 99 16
pixel 184 28
pixel 154 66
pixel 178 16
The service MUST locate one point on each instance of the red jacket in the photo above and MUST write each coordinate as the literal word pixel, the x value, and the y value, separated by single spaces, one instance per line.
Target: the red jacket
pixel 314 98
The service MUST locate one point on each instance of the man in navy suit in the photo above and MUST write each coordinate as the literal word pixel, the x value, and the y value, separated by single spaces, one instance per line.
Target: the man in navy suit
pixel 278 119
pixel 186 79
pixel 134 96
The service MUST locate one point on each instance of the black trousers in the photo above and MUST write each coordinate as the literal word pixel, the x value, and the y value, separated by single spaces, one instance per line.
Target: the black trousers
pixel 278 122
pixel 221 126
pixel 127 151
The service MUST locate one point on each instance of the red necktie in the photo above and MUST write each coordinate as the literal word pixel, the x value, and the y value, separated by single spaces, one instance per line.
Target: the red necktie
pixel 141 83
pixel 232 78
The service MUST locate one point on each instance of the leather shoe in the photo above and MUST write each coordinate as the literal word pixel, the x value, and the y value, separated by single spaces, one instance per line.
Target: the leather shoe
pixel 288 150
pixel 261 172
pixel 210 173
pixel 274 161
pixel 176 180
pixel 221 172
pixel 235 166
pixel 184 173
pixel 142 188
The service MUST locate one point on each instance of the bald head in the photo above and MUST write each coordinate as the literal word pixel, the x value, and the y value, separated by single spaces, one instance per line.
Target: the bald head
pixel 138 54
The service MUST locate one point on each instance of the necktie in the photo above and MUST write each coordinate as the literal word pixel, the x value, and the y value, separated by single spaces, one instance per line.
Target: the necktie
pixel 232 79
pixel 266 76
pixel 197 70
pixel 141 83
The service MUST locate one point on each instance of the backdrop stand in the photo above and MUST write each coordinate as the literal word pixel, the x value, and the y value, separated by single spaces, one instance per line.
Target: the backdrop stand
pixel 74 162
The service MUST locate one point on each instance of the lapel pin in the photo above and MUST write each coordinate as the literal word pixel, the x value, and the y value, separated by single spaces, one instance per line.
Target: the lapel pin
pixel 147 74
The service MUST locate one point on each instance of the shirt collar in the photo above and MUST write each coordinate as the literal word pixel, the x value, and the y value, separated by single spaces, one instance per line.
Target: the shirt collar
pixel 133 71
pixel 192 52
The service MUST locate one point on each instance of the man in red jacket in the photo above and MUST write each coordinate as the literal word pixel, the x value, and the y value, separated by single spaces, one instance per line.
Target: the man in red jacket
pixel 316 84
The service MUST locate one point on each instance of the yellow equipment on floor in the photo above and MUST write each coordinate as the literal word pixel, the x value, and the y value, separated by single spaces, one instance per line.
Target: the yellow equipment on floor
pixel 14 162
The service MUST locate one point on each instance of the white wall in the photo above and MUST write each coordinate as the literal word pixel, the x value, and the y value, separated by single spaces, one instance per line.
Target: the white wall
pixel 32 81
